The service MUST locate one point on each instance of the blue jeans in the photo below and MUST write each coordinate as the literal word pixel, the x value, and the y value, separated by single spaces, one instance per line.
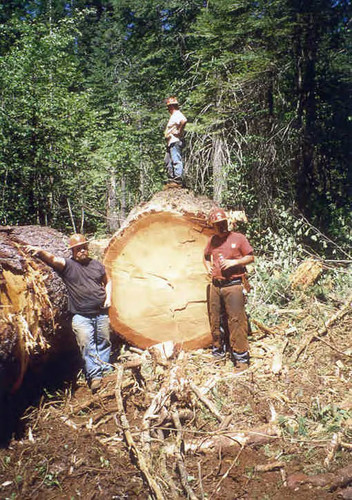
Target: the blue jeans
pixel 174 160
pixel 93 338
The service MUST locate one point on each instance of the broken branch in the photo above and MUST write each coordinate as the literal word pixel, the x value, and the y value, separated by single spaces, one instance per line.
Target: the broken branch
pixel 206 402
pixel 153 486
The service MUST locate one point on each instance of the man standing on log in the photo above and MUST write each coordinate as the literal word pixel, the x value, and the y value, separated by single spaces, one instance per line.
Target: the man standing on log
pixel 173 135
pixel 89 297
pixel 225 257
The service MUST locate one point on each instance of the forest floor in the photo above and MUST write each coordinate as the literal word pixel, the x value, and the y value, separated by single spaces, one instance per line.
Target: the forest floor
pixel 195 427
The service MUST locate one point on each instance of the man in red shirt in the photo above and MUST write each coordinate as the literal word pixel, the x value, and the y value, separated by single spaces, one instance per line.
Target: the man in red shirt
pixel 225 257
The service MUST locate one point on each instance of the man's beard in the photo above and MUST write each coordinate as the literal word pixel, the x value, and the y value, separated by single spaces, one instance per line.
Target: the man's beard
pixel 82 259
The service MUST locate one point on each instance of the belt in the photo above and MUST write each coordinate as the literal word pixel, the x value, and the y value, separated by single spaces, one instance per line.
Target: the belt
pixel 222 283
pixel 92 315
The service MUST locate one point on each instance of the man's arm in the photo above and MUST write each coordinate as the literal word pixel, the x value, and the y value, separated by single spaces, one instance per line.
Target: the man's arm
pixel 181 127
pixel 108 290
pixel 243 261
pixel 57 263
pixel 208 265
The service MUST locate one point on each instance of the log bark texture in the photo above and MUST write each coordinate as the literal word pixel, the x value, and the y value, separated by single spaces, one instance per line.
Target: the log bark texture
pixel 33 315
pixel 159 281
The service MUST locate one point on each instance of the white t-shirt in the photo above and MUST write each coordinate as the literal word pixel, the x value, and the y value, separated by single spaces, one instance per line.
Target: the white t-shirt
pixel 173 126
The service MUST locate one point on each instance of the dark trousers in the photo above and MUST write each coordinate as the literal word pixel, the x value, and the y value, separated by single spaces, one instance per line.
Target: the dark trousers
pixel 231 301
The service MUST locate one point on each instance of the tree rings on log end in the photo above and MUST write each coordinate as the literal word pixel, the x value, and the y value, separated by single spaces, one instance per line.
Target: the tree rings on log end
pixel 159 281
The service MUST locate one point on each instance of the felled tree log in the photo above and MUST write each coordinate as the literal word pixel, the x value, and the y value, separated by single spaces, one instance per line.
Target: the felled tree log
pixel 330 480
pixel 32 301
pixel 159 281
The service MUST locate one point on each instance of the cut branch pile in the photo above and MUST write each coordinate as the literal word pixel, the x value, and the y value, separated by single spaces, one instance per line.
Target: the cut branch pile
pixel 192 427
pixel 164 437
pixel 323 330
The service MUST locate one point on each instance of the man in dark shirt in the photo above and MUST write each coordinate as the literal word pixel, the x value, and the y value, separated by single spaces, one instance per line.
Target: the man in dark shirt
pixel 225 257
pixel 89 297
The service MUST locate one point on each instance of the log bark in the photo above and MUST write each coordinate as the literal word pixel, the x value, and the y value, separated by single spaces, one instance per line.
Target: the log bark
pixel 32 301
pixel 330 480
pixel 250 437
pixel 159 281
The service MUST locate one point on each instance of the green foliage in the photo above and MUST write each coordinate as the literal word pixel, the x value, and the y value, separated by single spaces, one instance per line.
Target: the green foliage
pixel 42 119
pixel 265 86
pixel 279 249
pixel 318 422
pixel 104 462
pixel 50 479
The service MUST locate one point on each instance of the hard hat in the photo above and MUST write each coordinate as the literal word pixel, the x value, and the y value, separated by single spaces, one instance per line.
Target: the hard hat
pixel 76 240
pixel 171 100
pixel 217 215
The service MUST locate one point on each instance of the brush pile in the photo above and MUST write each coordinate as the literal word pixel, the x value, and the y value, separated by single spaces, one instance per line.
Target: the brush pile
pixel 174 424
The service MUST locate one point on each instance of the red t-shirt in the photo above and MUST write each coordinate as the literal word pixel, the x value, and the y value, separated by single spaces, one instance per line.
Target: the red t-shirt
pixel 230 246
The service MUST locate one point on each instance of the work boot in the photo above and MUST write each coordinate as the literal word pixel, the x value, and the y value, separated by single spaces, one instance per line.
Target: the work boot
pixel 218 352
pixel 178 181
pixel 240 360
pixel 95 385
pixel 240 367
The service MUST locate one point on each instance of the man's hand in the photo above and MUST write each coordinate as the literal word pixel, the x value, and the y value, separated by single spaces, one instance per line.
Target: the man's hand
pixel 32 250
pixel 228 263
pixel 57 263
pixel 210 271
pixel 207 262
pixel 243 261
pixel 107 302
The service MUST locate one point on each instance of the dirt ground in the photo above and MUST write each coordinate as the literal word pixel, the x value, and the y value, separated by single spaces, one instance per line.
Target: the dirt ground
pixel 65 443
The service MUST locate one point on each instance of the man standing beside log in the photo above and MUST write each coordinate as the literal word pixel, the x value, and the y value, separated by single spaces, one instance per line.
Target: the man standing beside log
pixel 173 135
pixel 89 297
pixel 225 257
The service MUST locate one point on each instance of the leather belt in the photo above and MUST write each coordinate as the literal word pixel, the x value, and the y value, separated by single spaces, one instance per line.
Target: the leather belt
pixel 222 283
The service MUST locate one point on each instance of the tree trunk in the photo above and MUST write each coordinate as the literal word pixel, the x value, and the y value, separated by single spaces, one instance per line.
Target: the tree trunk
pixel 32 302
pixel 219 163
pixel 307 39
pixel 112 215
pixel 159 281
pixel 123 203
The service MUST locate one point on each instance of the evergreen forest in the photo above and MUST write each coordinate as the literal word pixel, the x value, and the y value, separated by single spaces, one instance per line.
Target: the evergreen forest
pixel 265 86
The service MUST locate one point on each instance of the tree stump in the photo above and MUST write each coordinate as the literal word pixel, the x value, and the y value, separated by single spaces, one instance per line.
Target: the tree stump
pixel 158 278
pixel 32 301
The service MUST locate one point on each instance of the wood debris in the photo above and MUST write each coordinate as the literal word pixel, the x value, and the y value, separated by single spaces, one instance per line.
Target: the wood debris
pixel 306 274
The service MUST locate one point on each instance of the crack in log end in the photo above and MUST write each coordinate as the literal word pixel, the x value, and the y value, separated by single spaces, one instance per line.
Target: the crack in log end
pixel 136 277
pixel 187 241
pixel 162 278
pixel 176 309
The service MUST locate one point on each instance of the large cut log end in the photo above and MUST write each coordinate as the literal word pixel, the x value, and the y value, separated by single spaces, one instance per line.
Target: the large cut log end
pixel 159 281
